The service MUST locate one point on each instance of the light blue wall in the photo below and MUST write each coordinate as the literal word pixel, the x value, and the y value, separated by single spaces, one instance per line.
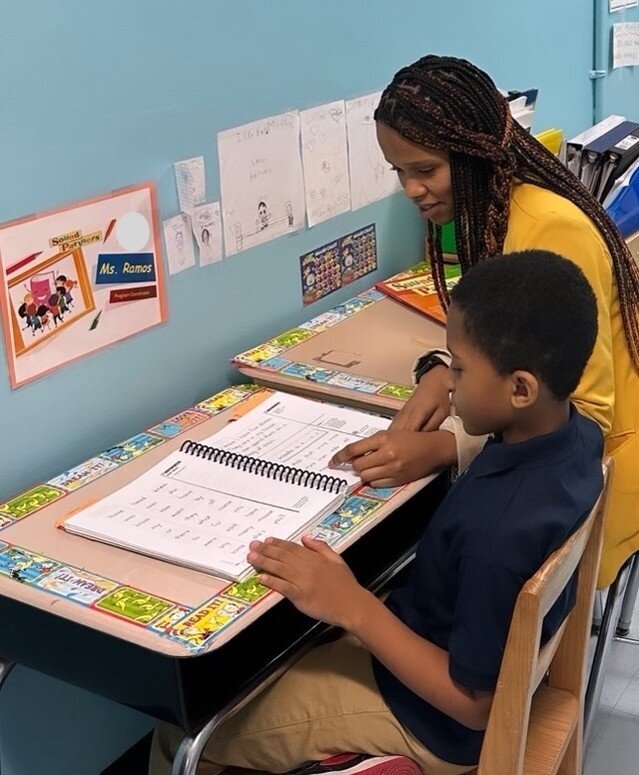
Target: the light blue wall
pixel 618 92
pixel 98 95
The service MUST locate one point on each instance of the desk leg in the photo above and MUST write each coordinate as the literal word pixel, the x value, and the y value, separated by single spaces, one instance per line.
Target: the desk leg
pixel 629 599
pixel 190 750
pixel 6 666
pixel 602 648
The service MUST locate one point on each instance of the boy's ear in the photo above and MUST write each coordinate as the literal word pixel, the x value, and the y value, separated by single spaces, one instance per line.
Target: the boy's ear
pixel 524 389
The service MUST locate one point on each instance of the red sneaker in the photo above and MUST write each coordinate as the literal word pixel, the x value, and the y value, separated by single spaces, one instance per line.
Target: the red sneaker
pixel 352 763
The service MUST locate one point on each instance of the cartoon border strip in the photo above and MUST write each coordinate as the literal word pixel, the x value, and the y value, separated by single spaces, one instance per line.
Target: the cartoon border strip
pixel 240 592
pixel 41 494
pixel 294 336
pixel 270 354
pixel 242 595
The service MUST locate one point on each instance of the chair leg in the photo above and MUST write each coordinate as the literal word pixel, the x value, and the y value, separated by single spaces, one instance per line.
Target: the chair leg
pixel 597 612
pixel 629 599
pixel 572 763
pixel 602 650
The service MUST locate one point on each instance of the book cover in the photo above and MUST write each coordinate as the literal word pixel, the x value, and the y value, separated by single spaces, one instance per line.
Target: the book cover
pixel 416 288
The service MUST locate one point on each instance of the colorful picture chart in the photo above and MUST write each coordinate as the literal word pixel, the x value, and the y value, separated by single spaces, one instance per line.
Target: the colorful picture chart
pixel 78 279
pixel 338 263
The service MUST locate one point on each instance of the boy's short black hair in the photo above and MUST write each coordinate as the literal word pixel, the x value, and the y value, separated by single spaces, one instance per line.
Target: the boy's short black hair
pixel 532 310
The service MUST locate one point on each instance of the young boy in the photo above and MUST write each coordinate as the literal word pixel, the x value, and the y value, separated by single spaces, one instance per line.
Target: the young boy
pixel 418 677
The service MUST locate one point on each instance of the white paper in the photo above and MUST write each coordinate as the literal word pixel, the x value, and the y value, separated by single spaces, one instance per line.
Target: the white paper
pixel 191 183
pixel 261 181
pixel 194 511
pixel 371 176
pixel 179 243
pixel 298 432
pixel 621 5
pixel 207 228
pixel 202 514
pixel 325 160
pixel 625 44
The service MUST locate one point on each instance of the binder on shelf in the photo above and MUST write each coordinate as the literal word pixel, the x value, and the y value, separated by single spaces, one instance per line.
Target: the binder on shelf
pixel 522 106
pixel 593 155
pixel 617 160
pixel 572 149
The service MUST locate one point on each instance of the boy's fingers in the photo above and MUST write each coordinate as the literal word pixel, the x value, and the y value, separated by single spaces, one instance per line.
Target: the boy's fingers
pixel 381 476
pixel 319 546
pixel 355 450
pixel 283 550
pixel 285 588
pixel 269 564
pixel 373 460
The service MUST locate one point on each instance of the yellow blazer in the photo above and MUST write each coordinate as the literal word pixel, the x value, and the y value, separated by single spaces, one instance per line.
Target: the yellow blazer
pixel 609 389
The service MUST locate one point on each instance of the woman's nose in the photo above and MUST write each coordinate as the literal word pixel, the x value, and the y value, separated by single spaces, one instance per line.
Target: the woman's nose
pixel 413 188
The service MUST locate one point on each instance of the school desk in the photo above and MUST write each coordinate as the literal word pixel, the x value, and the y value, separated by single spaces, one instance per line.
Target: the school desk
pixel 360 352
pixel 175 643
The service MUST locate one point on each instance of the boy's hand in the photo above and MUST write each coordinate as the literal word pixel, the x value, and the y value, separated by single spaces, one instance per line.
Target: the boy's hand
pixel 390 458
pixel 313 577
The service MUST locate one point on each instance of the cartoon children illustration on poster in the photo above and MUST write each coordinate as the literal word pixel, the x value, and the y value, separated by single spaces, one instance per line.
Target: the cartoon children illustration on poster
pixel 66 273
pixel 47 302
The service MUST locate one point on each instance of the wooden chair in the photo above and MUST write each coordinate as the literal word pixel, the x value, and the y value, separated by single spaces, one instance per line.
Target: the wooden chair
pixel 536 720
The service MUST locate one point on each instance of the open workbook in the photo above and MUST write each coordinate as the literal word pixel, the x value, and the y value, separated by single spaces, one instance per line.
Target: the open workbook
pixel 262 475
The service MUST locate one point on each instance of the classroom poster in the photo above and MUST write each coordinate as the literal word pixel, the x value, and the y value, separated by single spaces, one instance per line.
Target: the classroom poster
pixel 261 181
pixel 338 263
pixel 78 279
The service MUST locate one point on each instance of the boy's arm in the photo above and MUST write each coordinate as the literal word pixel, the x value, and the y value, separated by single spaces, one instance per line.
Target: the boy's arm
pixel 319 583
pixel 419 664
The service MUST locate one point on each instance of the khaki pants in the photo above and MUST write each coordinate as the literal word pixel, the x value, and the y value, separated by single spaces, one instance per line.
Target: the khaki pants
pixel 327 703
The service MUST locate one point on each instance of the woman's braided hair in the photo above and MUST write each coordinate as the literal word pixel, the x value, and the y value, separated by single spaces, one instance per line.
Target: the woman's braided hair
pixel 449 104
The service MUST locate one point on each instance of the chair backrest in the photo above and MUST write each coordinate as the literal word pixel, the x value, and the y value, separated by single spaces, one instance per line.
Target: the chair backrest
pixel 563 657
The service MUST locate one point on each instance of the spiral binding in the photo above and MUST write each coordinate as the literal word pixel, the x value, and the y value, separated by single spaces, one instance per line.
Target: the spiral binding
pixel 267 468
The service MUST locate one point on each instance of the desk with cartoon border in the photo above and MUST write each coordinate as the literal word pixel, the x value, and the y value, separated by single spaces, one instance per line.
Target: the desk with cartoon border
pixel 175 643
pixel 360 352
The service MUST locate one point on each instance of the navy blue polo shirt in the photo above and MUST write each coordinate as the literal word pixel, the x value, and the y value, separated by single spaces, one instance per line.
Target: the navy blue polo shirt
pixel 512 507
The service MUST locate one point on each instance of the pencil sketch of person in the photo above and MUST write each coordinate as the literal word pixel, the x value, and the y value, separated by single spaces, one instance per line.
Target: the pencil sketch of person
pixel 206 237
pixel 263 215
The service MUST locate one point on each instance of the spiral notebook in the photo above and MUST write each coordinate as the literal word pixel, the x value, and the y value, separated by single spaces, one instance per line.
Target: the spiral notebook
pixel 264 475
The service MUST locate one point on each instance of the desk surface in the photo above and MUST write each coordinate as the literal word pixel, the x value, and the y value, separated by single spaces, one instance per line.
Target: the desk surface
pixel 163 607
pixel 147 633
pixel 360 352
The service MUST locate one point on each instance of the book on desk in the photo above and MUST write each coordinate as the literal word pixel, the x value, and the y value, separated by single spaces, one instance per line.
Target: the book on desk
pixel 416 288
pixel 265 474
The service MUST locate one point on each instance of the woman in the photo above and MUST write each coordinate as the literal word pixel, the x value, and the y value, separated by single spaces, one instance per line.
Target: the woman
pixel 461 157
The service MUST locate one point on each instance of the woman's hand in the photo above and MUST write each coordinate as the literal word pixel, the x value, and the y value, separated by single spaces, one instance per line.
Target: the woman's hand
pixel 429 405
pixel 390 458
pixel 313 577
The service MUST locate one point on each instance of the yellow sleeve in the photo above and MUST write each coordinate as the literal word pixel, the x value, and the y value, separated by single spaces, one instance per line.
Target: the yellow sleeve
pixel 578 241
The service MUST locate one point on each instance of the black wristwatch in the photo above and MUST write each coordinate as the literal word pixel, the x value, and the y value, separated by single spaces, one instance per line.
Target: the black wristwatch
pixel 426 363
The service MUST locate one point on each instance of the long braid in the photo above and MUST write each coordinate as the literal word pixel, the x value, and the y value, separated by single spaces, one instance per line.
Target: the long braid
pixel 449 104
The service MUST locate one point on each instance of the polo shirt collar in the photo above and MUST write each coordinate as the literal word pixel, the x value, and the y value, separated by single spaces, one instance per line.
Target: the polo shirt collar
pixel 498 456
